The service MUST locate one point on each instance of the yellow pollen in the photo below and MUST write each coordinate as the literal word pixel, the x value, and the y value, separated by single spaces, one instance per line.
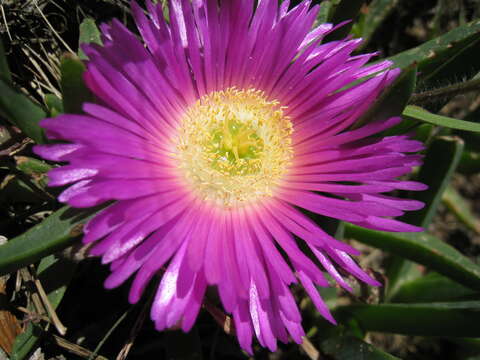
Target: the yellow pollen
pixel 234 146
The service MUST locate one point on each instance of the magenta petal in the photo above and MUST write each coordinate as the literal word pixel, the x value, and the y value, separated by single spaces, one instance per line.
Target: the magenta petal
pixel 316 298
pixel 166 291
pixel 196 299
pixel 213 269
pixel 56 152
pixel 260 321
pixel 271 254
pixel 243 326
pixel 294 329
pixel 284 298
pixel 194 227
pixel 330 268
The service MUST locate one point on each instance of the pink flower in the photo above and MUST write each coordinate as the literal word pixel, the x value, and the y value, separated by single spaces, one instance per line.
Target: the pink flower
pixel 213 140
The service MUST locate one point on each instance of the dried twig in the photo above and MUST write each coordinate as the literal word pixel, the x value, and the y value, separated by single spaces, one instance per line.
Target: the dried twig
pixel 6 23
pixel 122 355
pixel 62 330
pixel 220 317
pixel 310 350
pixel 40 73
pixel 472 85
pixel 33 316
pixel 37 302
pixel 225 322
pixel 76 349
pixel 52 63
pixel 42 303
pixel 107 335
pixel 53 30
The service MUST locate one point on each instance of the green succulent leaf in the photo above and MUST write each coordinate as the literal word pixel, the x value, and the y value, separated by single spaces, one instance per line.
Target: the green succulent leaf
pixel 21 112
pixel 430 288
pixel 352 348
pixel 420 114
pixel 393 99
pixel 31 166
pixel 455 319
pixel 346 10
pixel 438 52
pixel 398 273
pixel 461 61
pixel 469 163
pixel 440 163
pixel 378 10
pixel 74 91
pixel 35 169
pixel 55 233
pixel 16 191
pixel 461 208
pixel 424 249
pixel 54 274
pixel 89 33
pixel 54 104
pixel 326 7
pixel 25 342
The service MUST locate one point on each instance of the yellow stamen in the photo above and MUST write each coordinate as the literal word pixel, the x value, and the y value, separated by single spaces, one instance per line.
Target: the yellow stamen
pixel 233 146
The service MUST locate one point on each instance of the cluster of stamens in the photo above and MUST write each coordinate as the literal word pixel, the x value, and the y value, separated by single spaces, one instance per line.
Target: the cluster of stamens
pixel 233 146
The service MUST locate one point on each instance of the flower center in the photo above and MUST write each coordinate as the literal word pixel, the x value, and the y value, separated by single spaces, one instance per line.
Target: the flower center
pixel 233 146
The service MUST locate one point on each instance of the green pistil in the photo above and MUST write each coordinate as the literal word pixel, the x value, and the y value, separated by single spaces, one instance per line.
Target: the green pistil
pixel 235 148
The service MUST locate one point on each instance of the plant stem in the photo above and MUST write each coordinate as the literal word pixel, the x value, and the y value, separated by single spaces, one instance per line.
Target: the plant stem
pixel 451 90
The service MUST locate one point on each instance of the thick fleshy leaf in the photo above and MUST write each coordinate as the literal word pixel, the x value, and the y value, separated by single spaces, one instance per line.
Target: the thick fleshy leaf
pixel 31 166
pixel 25 342
pixel 424 132
pixel 420 114
pixel 430 288
pixel 54 274
pixel 35 169
pixel 460 61
pixel 403 127
pixel 461 208
pixel 74 91
pixel 346 10
pixel 472 139
pixel 393 99
pixel 352 348
pixel 18 190
pixel 455 319
pixel 439 49
pixel 436 98
pixel 440 163
pixel 399 272
pixel 326 7
pixel 424 249
pixel 469 348
pixel 89 33
pixel 469 163
pixel 56 232
pixel 54 104
pixel 21 112
pixel 378 11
